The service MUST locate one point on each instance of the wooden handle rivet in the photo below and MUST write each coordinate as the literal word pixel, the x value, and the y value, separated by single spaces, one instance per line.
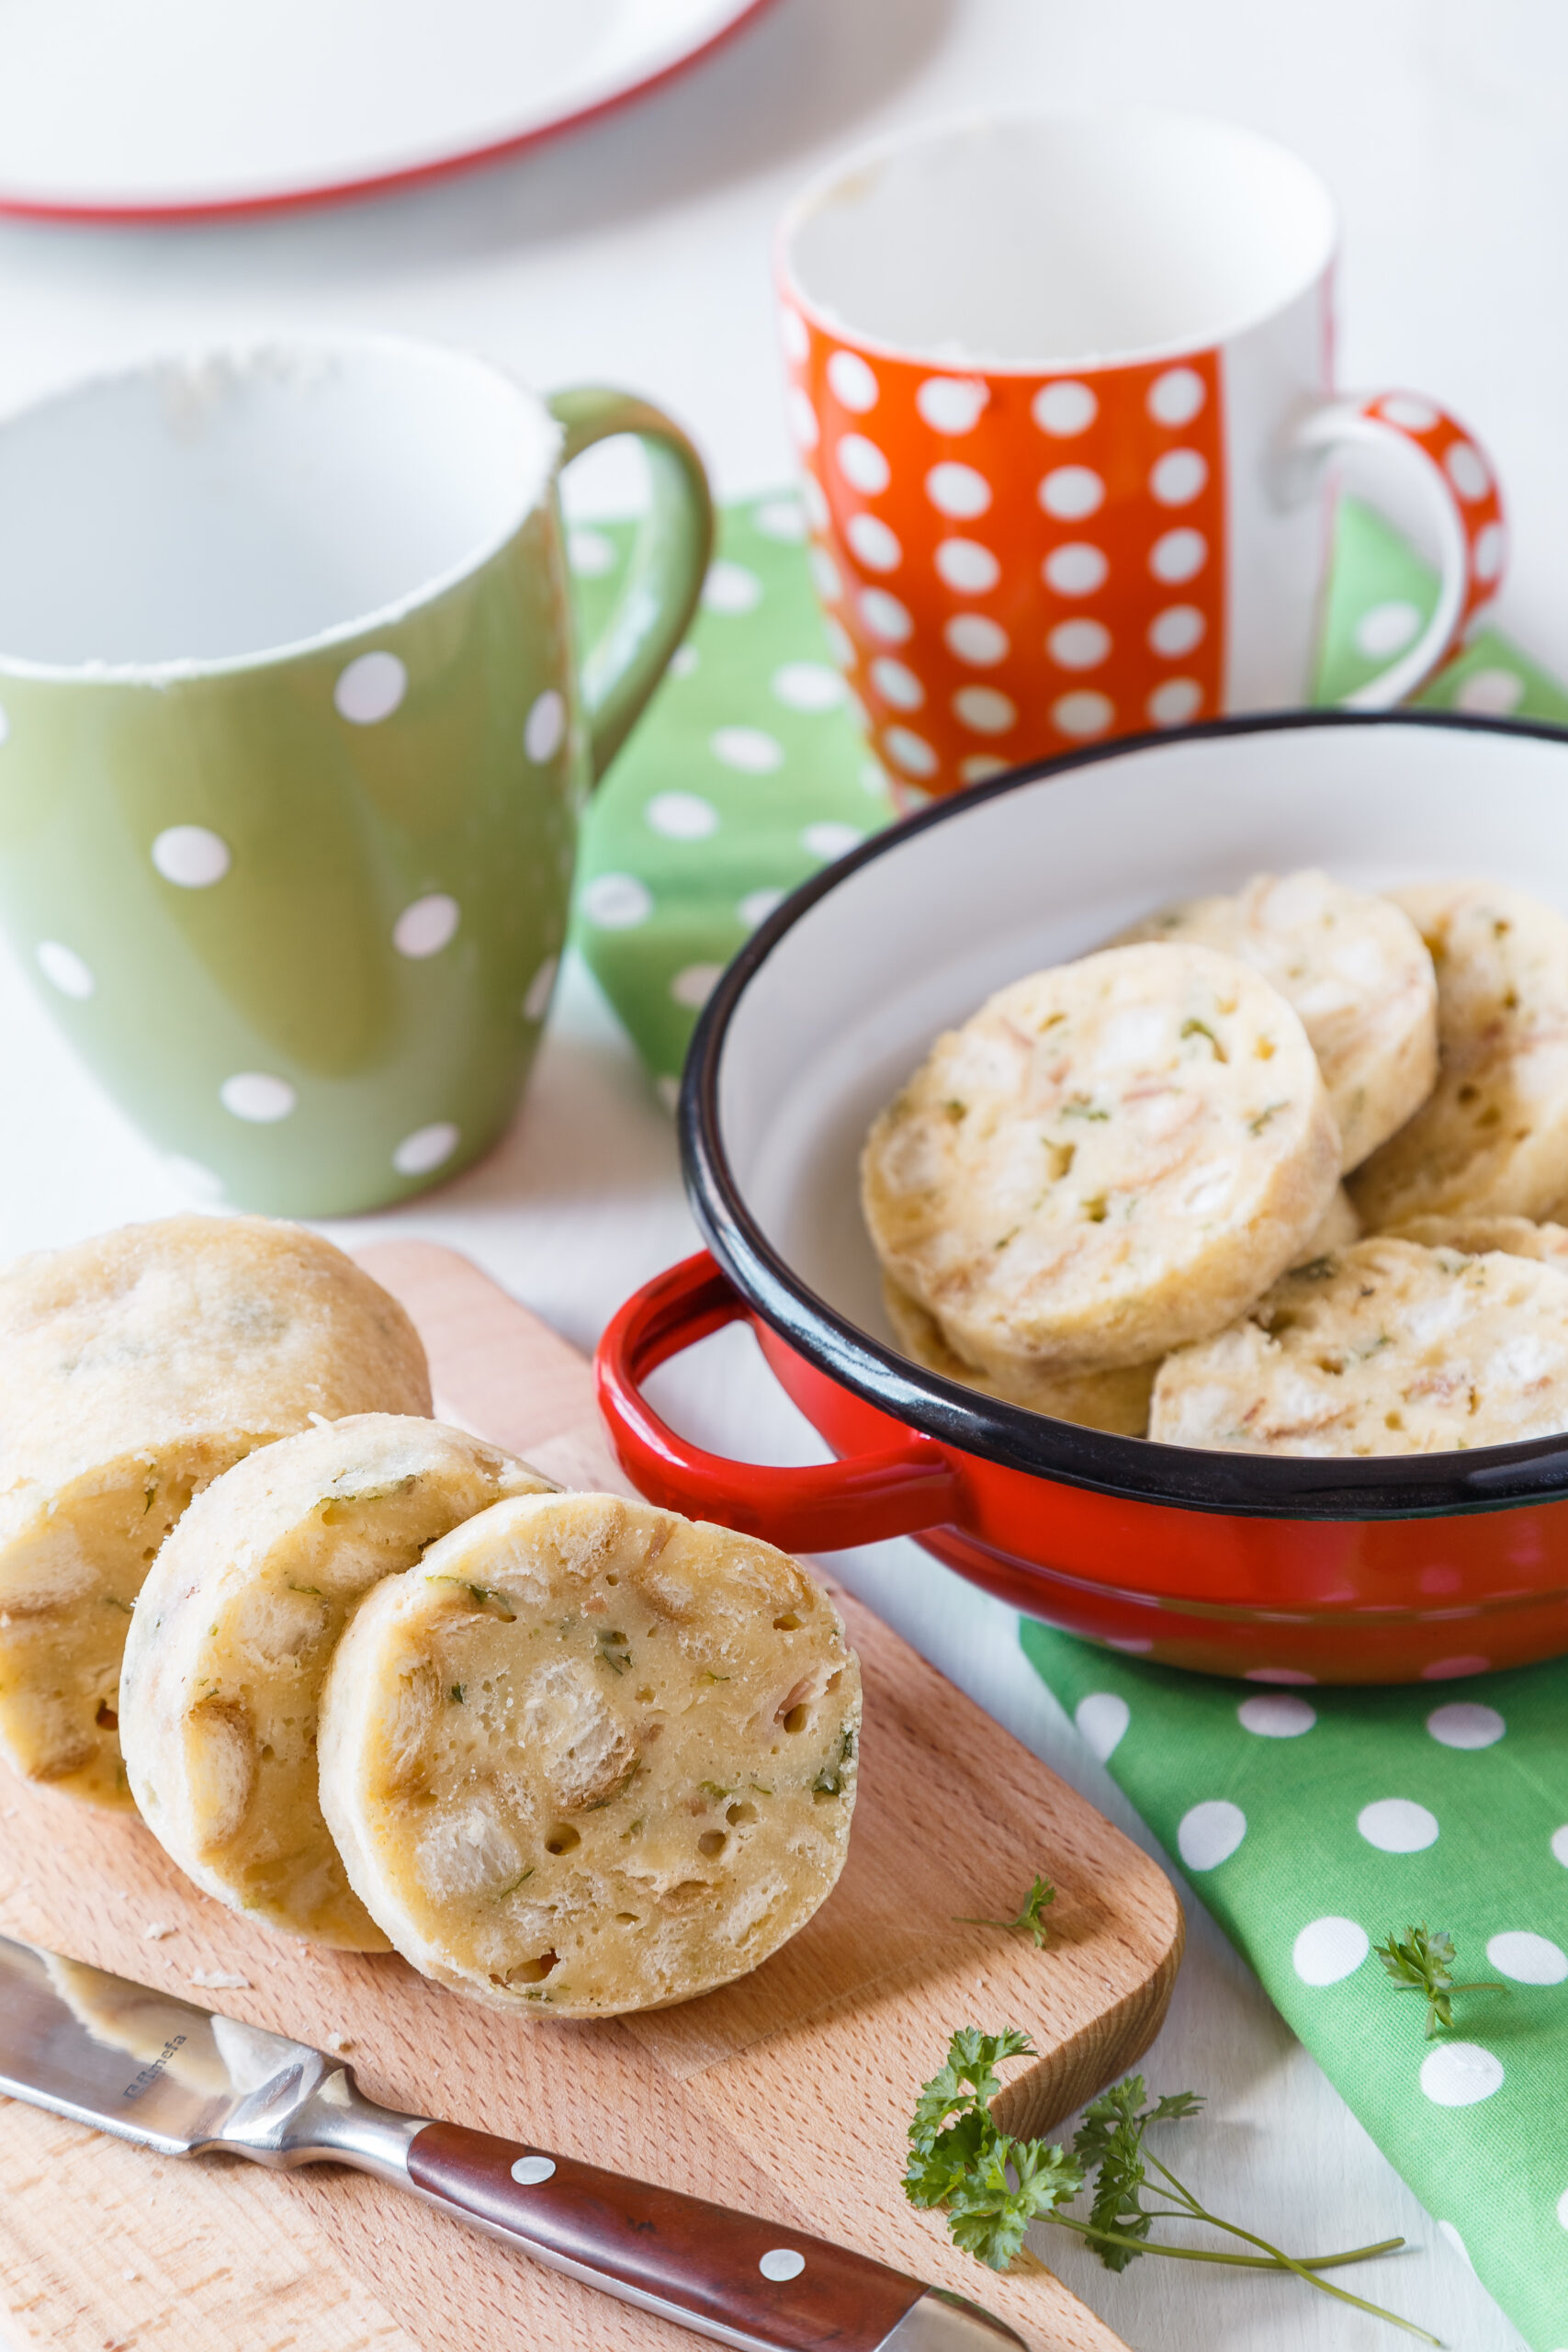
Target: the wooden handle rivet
pixel 528 2171
pixel 781 2262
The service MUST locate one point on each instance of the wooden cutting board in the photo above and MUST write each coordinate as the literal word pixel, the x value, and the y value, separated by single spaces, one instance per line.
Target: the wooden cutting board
pixel 787 2094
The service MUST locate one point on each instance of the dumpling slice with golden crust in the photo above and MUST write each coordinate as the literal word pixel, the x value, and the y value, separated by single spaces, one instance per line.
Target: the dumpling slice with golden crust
pixel 235 1632
pixel 1492 1140
pixel 1389 1347
pixel 1517 1236
pixel 134 1369
pixel 588 1757
pixel 1116 1400
pixel 1358 972
pixel 1108 1158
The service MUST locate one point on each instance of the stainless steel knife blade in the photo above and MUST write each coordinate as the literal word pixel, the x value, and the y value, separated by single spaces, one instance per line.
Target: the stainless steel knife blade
pixel 150 2067
pixel 139 2063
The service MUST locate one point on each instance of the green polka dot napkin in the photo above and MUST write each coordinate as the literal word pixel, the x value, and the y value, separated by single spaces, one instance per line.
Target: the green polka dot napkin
pixel 748 773
pixel 745 775
pixel 1311 1825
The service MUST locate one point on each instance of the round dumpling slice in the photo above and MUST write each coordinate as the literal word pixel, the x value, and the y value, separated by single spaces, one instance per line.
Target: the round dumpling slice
pixel 1108 1158
pixel 1517 1236
pixel 134 1369
pixel 234 1631
pixel 1493 1138
pixel 1390 1348
pixel 590 1757
pixel 1357 971
pixel 1116 1400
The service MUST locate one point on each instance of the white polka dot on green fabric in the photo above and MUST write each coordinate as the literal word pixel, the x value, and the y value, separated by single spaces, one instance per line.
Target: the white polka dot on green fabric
pixel 808 685
pixel 780 518
pixel 1492 693
pixel 1466 1724
pixel 694 983
pixel 1328 1950
pixel 1447 2231
pixel 752 750
pixel 589 553
pixel 682 816
pixel 1461 2074
pixel 1528 1957
pixel 828 840
pixel 731 588
pixel 1277 1717
pixel 615 902
pixel 1388 628
pixel 1398 1826
pixel 1102 1719
pixel 1210 1833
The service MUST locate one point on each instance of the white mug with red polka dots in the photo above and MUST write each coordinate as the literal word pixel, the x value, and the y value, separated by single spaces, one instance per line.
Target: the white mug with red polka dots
pixel 1063 390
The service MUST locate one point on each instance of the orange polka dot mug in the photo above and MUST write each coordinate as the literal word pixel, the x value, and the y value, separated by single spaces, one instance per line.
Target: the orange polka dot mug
pixel 293 743
pixel 1063 393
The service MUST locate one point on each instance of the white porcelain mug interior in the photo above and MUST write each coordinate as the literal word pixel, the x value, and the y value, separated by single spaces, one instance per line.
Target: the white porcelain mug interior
pixel 1110 334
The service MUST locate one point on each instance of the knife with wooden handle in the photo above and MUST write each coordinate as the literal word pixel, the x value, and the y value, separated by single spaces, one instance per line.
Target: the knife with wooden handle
pixel 184 2080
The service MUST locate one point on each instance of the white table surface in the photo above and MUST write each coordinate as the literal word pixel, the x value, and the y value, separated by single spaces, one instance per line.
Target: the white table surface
pixel 637 250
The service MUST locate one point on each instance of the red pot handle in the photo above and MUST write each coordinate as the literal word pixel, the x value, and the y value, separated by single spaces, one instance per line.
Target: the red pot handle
pixel 825 1508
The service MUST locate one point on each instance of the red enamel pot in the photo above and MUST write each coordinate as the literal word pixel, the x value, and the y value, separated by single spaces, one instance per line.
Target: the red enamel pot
pixel 1382 1568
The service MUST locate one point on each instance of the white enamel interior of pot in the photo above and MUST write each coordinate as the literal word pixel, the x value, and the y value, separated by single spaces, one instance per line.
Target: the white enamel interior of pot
pixel 846 1004
pixel 238 503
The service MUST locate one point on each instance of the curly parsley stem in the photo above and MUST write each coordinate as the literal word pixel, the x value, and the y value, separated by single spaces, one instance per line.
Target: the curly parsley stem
pixel 1232 2261
pixel 1285 2261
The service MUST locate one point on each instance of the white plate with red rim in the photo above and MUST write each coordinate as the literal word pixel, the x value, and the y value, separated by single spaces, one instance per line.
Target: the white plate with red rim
pixel 169 110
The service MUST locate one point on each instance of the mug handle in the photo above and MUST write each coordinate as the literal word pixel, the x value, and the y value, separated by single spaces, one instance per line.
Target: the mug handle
pixel 668 560
pixel 1461 486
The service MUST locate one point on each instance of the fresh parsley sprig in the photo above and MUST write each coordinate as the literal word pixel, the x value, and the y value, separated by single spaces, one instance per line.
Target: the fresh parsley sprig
pixel 1026 1922
pixel 1422 1961
pixel 991 2187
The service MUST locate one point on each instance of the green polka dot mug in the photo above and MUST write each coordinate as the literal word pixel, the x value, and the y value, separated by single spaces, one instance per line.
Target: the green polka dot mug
pixel 295 741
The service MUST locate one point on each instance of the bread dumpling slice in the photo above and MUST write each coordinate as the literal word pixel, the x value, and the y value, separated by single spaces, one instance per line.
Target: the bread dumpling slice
pixel 1388 1347
pixel 134 1369
pixel 1492 1140
pixel 590 1757
pixel 1356 969
pixel 1108 1158
pixel 235 1632
pixel 1117 1402
pixel 1517 1236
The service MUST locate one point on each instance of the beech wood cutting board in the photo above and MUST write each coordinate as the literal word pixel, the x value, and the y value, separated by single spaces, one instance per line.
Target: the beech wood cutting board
pixel 787 2094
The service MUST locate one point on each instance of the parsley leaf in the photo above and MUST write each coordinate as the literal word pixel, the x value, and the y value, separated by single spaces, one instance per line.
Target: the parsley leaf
pixel 1111 2136
pixel 1026 1922
pixel 1422 1961
pixel 991 2187
pixel 1006 2187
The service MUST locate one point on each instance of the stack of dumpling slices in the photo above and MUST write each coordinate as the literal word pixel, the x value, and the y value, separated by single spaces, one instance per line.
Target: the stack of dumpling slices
pixel 1114 1194
pixel 378 1684
pixel 386 1687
